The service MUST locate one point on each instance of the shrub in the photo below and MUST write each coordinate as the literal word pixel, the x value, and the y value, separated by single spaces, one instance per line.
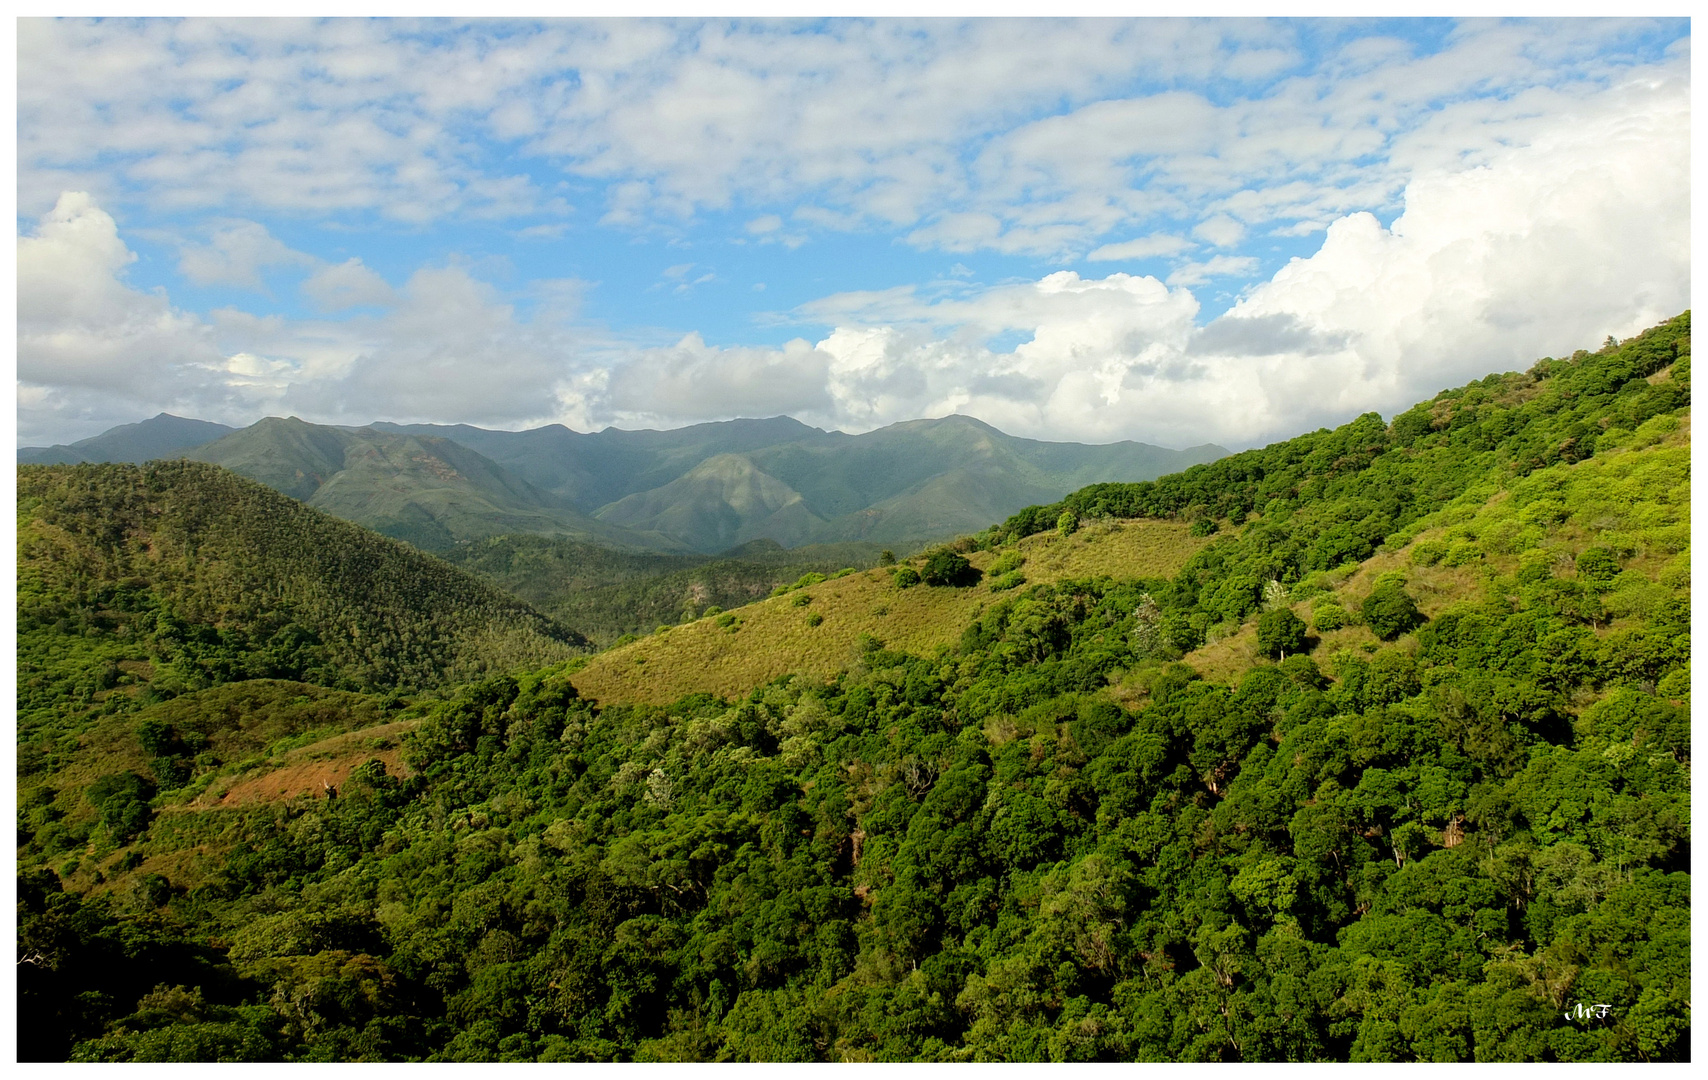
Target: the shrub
pixel 815 618
pixel 1462 553
pixel 1067 523
pixel 1427 552
pixel 1329 617
pixel 1203 527
pixel 1280 633
pixel 1010 561
pixel 1011 580
pixel 801 599
pixel 886 557
pixel 906 577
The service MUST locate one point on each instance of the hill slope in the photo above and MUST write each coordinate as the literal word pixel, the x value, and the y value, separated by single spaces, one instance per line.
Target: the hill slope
pixel 158 579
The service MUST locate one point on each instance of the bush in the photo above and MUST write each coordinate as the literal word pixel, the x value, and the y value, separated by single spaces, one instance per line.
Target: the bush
pixel 1428 552
pixel 801 599
pixel 886 557
pixel 1462 553
pixel 906 577
pixel 1280 633
pixel 1067 523
pixel 1329 617
pixel 814 619
pixel 1011 580
pixel 1203 527
pixel 1389 611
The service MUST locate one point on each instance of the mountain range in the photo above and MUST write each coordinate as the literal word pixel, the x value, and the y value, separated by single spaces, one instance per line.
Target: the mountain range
pixel 704 488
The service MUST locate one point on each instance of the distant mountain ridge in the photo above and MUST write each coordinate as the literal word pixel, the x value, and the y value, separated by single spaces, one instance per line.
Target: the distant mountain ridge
pixel 162 436
pixel 703 488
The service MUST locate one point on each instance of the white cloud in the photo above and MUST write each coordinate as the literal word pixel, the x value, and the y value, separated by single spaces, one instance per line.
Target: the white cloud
pixel 236 254
pixel 347 284
pixel 1029 137
pixel 767 223
pixel 1534 223
pixel 1145 247
pixel 692 381
pixel 1220 230
pixel 1217 266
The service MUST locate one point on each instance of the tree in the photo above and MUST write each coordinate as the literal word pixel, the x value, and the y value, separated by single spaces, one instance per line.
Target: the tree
pixel 944 567
pixel 1280 632
pixel 886 557
pixel 1389 611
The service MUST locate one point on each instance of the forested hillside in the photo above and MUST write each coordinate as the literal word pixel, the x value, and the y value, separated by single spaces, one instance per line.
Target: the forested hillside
pixel 432 492
pixel 1392 765
pixel 137 583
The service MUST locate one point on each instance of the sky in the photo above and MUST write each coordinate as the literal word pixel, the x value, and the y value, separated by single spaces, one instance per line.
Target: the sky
pixel 1171 231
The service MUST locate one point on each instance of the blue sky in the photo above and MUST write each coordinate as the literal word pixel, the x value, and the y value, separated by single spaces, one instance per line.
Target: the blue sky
pixel 1171 231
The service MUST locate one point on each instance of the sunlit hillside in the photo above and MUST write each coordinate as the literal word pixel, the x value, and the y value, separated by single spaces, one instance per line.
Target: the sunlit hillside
pixel 731 653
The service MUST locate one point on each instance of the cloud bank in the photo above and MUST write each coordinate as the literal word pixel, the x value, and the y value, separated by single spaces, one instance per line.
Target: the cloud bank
pixel 1519 189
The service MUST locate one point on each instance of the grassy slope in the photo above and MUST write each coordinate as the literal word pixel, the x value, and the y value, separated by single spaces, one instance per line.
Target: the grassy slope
pixel 772 638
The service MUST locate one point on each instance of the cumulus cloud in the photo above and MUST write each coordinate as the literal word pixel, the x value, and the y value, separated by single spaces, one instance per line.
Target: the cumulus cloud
pixel 1220 230
pixel 1545 247
pixel 94 350
pixel 82 327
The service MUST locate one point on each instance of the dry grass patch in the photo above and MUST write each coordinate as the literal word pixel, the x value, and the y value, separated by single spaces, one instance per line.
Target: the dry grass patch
pixel 773 637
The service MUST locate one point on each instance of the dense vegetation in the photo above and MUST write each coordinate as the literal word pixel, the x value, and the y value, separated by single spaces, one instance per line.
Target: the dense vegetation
pixel 1453 827
pixel 137 583
pixel 606 594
